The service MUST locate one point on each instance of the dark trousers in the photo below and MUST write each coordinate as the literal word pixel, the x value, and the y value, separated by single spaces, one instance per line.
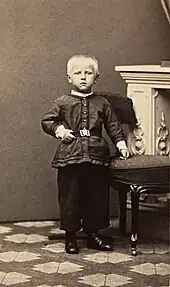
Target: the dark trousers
pixel 83 197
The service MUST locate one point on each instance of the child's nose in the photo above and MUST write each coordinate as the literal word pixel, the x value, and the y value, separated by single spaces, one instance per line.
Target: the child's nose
pixel 83 76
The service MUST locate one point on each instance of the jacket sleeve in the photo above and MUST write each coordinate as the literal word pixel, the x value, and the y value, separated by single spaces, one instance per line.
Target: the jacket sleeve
pixel 112 125
pixel 51 119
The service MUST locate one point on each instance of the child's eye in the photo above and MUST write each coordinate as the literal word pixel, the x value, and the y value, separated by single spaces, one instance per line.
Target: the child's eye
pixel 77 73
pixel 89 73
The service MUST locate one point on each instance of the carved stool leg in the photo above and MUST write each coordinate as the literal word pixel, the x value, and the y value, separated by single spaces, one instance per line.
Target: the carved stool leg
pixel 122 209
pixel 134 216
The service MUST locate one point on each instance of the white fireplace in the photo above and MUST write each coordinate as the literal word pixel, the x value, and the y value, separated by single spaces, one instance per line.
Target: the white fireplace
pixel 149 88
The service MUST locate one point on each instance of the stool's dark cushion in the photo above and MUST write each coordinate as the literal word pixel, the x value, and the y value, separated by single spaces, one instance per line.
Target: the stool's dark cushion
pixel 143 169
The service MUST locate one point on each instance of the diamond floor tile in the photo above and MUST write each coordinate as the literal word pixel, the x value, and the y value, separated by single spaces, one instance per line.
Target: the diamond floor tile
pixel 68 267
pixel 35 224
pixel 162 269
pixel 18 256
pixel 26 256
pixel 17 238
pixel 147 248
pixel 27 260
pixel 99 257
pixel 112 257
pixel 115 280
pixel 56 248
pixel 34 238
pixel 161 248
pixel 4 229
pixel 95 280
pixel 115 257
pixel 15 278
pixel 24 238
pixel 50 267
pixel 151 269
pixel 8 256
pixel 145 269
pixel 110 280
pixel 57 231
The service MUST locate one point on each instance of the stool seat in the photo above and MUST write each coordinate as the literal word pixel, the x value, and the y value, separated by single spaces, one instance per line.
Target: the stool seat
pixel 140 173
pixel 142 169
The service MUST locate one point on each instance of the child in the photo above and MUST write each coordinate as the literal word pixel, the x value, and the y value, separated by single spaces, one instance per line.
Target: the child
pixel 82 157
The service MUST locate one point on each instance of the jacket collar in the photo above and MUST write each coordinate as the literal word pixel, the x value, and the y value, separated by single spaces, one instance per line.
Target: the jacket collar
pixel 80 95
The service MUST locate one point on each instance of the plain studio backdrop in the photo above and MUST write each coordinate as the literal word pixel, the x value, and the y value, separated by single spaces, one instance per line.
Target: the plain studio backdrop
pixel 37 38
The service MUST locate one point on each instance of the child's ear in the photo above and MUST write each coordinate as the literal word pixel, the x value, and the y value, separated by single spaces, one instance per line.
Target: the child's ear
pixel 69 79
pixel 97 75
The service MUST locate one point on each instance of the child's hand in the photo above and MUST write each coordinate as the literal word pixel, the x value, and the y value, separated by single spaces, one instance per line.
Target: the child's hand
pixel 68 136
pixel 65 134
pixel 125 153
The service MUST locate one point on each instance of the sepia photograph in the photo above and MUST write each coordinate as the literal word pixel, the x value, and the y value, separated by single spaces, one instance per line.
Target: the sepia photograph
pixel 85 143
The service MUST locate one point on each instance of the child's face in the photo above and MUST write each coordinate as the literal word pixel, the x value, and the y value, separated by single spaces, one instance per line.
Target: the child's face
pixel 82 76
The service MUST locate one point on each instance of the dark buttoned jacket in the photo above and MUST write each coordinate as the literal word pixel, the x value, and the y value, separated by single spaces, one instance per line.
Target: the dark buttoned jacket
pixel 77 113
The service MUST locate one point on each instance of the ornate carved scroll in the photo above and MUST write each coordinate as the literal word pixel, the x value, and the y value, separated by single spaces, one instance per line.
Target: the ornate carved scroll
pixel 163 143
pixel 137 141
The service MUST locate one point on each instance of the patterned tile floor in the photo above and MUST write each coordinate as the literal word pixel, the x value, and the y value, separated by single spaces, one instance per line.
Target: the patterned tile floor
pixel 28 259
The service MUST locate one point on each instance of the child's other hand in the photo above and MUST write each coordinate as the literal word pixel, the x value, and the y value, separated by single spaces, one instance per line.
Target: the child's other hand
pixel 125 153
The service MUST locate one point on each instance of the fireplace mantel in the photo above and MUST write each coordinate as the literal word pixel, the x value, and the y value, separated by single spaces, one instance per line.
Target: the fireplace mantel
pixel 149 88
pixel 146 74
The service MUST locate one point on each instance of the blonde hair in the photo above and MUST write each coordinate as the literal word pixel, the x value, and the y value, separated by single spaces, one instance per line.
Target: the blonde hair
pixel 92 60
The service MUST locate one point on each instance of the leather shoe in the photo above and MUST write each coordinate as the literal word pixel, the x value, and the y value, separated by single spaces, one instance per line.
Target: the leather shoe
pixel 94 241
pixel 71 246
